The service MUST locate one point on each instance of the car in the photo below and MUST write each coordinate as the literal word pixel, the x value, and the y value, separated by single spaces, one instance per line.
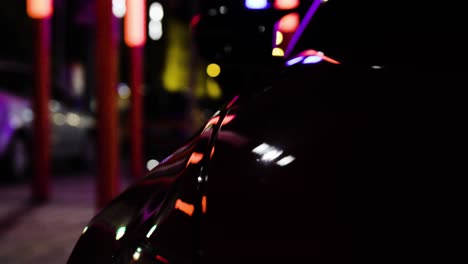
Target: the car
pixel 344 155
pixel 72 131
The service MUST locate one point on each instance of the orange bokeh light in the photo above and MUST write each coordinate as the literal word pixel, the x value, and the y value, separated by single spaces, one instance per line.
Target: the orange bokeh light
pixel 184 207
pixel 286 4
pixel 289 23
pixel 203 202
pixel 39 8
pixel 195 158
pixel 135 23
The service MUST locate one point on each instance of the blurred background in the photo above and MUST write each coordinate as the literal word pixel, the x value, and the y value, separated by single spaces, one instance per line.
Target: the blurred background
pixel 94 93
pixel 196 55
pixel 166 70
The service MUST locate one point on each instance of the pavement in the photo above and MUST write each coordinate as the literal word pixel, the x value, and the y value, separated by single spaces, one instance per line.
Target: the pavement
pixel 45 233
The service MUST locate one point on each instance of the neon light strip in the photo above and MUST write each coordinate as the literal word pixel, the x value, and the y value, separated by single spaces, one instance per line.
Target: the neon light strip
pixel 302 26
pixel 185 207
pixel 315 53
pixel 294 61
pixel 256 4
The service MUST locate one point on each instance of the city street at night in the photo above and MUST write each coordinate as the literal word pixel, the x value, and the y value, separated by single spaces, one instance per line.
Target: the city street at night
pixel 232 131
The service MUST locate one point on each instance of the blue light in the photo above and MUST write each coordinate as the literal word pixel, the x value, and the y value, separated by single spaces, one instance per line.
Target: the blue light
pixel 312 59
pixel 294 61
pixel 256 4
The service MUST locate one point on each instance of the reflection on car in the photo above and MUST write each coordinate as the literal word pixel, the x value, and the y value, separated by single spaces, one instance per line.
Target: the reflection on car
pixel 337 158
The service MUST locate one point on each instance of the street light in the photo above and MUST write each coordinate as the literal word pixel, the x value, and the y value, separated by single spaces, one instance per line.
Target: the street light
pixel 134 24
pixel 39 9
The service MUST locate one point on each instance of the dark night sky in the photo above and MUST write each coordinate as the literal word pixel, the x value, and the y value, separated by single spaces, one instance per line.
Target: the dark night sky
pixel 388 32
pixel 16 31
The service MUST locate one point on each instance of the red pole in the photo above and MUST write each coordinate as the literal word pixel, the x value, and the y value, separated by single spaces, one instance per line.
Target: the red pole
pixel 107 123
pixel 135 38
pixel 136 115
pixel 41 124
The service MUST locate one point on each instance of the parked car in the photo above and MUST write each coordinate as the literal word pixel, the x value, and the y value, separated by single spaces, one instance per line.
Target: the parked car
pixel 72 132
pixel 338 158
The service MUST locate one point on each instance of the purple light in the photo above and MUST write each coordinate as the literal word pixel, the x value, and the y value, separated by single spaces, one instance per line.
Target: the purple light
pixel 312 59
pixel 294 61
pixel 256 4
pixel 298 33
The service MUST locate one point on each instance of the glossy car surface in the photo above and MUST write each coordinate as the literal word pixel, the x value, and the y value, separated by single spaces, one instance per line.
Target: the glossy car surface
pixel 287 178
pixel 324 163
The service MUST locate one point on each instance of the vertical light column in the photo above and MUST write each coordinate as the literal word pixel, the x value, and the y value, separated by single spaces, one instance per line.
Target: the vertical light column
pixel 41 11
pixel 135 39
pixel 107 122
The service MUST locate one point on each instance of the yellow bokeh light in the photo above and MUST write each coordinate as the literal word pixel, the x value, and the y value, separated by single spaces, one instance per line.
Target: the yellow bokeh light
pixel 213 89
pixel 278 52
pixel 279 37
pixel 213 70
pixel 176 70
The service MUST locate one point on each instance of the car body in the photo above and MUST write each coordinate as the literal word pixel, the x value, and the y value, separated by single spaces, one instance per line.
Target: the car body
pixel 328 161
pixel 72 132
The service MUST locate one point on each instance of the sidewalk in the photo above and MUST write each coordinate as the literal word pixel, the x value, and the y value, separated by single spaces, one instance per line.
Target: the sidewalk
pixel 46 233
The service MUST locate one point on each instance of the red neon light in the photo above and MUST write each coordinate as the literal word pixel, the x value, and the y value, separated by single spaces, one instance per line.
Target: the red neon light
pixel 135 23
pixel 213 121
pixel 228 119
pixel 289 23
pixel 162 259
pixel 233 101
pixel 286 4
pixel 316 53
pixel 39 9
pixel 195 20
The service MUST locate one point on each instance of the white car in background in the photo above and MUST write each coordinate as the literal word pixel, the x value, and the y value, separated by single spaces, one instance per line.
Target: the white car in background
pixel 72 132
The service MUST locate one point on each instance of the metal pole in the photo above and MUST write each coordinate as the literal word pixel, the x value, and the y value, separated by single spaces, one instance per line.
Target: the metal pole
pixel 41 124
pixel 107 121
pixel 136 113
